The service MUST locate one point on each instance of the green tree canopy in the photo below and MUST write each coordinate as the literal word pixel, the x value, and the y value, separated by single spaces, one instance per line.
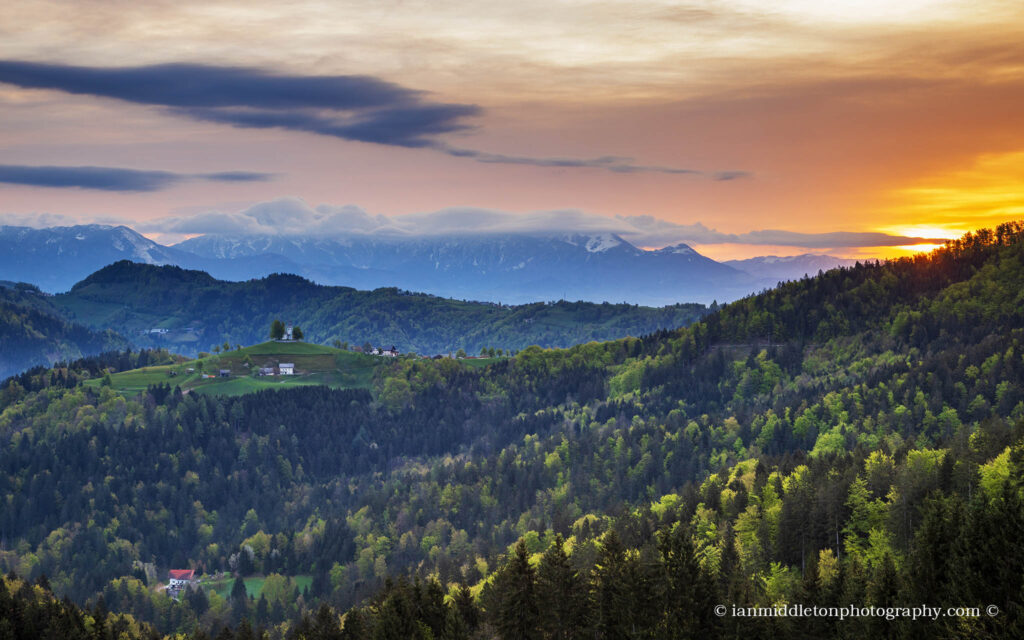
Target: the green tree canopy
pixel 276 329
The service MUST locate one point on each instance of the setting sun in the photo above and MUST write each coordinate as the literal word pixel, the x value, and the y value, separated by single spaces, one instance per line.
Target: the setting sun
pixel 987 193
pixel 924 231
pixel 917 248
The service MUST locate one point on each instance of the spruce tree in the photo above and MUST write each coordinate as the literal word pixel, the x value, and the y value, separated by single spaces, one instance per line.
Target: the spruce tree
pixel 238 590
pixel 355 626
pixel 518 615
pixel 467 609
pixel 562 592
pixel 611 597
pixel 325 626
pixel 690 595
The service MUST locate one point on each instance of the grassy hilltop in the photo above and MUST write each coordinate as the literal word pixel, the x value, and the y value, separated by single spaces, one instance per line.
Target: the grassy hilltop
pixel 314 364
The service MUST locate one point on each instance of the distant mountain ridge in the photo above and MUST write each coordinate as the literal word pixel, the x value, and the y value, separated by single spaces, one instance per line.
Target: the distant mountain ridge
pixel 190 311
pixel 57 257
pixel 509 268
pixel 782 268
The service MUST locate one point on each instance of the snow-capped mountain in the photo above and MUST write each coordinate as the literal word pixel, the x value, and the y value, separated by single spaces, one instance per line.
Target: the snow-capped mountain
pixel 56 258
pixel 510 268
pixel 505 268
pixel 781 268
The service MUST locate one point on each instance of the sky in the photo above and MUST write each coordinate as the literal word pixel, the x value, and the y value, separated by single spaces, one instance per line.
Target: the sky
pixel 861 129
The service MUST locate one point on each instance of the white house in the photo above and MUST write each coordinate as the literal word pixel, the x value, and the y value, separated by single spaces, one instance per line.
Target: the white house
pixel 288 332
pixel 180 578
pixel 287 368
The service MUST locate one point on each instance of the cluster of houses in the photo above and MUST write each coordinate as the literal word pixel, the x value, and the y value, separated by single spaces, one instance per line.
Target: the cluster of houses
pixel 379 351
pixel 222 373
pixel 163 331
pixel 282 369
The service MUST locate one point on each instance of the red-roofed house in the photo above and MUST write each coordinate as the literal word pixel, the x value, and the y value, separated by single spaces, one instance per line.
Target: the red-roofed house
pixel 180 578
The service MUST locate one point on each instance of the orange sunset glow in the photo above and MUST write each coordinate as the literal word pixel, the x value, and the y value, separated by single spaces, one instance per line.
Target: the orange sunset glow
pixel 900 120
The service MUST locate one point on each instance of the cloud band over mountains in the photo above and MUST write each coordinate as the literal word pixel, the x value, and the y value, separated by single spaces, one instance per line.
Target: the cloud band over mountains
pixel 292 216
pixel 350 107
pixel 114 178
pixel 651 228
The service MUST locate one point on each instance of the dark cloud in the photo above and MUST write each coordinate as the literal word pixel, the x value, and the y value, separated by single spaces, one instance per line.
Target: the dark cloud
pixel 614 164
pixel 403 127
pixel 359 108
pixel 730 175
pixel 112 178
pixel 236 176
pixel 194 85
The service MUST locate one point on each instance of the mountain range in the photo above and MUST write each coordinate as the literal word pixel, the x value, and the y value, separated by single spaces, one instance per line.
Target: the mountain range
pixel 515 268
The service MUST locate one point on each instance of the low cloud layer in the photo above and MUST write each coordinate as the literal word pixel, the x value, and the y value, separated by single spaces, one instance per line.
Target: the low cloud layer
pixel 357 108
pixel 651 228
pixel 292 216
pixel 113 178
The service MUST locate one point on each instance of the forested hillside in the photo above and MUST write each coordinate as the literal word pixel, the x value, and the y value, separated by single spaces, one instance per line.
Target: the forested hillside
pixel 189 311
pixel 34 332
pixel 855 439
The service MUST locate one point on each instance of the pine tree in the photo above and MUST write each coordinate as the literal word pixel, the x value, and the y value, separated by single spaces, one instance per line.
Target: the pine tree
pixel 611 597
pixel 689 592
pixel 467 611
pixel 238 590
pixel 325 625
pixel 355 626
pixel 396 617
pixel 933 553
pixel 518 615
pixel 562 591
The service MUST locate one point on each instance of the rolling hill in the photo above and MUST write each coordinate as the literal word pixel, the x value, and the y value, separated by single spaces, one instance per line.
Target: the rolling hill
pixel 314 365
pixel 33 331
pixel 190 311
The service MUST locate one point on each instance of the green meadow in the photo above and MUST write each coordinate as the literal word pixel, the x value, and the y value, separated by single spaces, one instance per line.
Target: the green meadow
pixel 253 585
pixel 314 365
